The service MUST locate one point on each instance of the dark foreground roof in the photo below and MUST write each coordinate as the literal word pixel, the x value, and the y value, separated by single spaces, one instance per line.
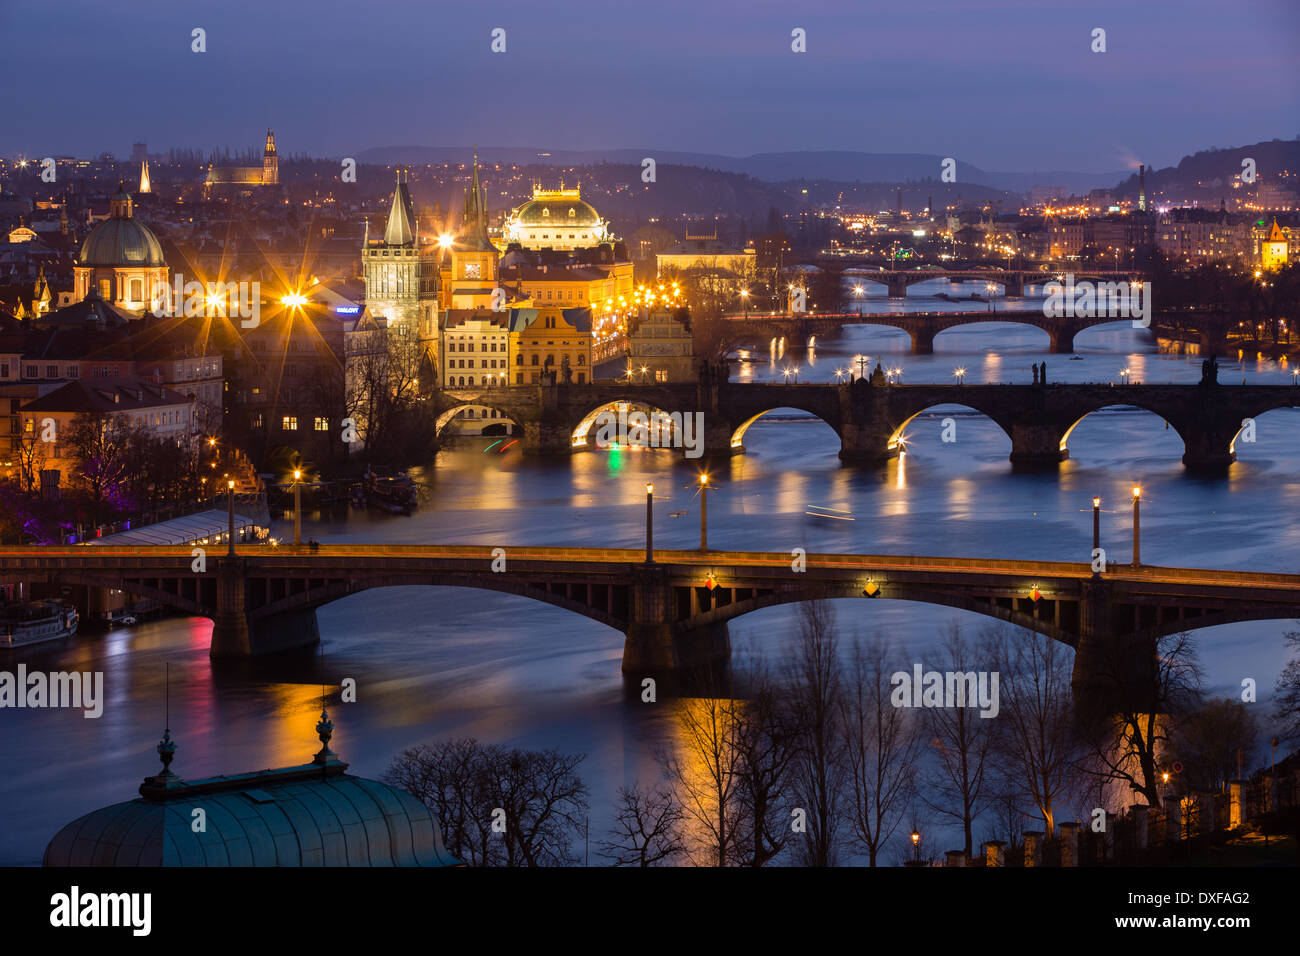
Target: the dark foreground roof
pixel 311 815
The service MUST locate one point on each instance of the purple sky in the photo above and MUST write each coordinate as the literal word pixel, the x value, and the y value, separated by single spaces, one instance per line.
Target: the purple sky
pixel 1002 84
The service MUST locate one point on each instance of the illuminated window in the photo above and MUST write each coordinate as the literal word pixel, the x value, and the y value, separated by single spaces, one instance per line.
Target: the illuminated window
pixel 321 424
pixel 289 423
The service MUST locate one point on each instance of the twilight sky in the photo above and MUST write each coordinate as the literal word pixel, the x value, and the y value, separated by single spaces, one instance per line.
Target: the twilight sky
pixel 1003 84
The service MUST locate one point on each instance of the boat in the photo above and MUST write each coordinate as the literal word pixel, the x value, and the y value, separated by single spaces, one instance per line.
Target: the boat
pixel 34 622
pixel 397 495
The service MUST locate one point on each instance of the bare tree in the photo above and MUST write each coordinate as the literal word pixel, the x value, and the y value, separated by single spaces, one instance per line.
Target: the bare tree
pixel 1216 744
pixel 704 770
pixel 647 829
pixel 963 743
pixel 103 447
pixel 498 806
pixel 769 739
pixel 1039 750
pixel 817 693
pixel 1287 708
pixel 883 742
pixel 1152 699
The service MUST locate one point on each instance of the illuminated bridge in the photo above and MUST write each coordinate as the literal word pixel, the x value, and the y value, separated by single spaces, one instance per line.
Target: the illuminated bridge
pixel 871 420
pixel 674 611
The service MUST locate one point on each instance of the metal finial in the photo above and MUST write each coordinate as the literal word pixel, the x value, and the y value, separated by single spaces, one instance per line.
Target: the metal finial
pixel 324 730
pixel 166 751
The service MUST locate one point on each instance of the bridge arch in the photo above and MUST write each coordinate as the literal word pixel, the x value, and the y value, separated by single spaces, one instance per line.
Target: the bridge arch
pixel 993 319
pixel 1285 421
pixel 738 434
pixel 479 402
pixel 1123 407
pixel 579 437
pixel 898 437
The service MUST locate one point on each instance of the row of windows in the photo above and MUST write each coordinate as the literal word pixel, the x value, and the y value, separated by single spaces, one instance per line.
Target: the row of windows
pixel 458 381
pixel 469 347
pixel 519 359
pixel 487 363
pixel 289 423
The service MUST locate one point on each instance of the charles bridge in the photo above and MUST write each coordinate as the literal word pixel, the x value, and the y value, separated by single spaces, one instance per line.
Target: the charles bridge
pixel 871 420
pixel 674 609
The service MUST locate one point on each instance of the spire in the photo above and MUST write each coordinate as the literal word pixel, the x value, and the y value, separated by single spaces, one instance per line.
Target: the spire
pixel 270 142
pixel 400 230
pixel 474 219
pixel 144 176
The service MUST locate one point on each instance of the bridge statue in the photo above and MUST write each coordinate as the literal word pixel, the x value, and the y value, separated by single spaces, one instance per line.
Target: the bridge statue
pixel 878 376
pixel 1210 371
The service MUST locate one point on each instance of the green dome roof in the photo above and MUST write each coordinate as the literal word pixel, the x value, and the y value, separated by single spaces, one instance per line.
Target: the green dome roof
pixel 549 212
pixel 121 242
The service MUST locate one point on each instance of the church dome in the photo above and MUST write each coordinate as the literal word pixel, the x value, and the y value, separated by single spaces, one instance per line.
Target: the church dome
pixel 310 815
pixel 121 242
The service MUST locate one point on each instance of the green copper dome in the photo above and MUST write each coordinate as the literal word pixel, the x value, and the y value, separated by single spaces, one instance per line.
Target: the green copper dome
pixel 120 241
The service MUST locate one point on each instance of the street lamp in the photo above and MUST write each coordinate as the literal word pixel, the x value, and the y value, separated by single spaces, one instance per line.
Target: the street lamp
pixel 1096 531
pixel 1137 525
pixel 297 507
pixel 649 526
pixel 744 298
pixel 230 517
pixel 916 845
pixel 704 512
pixel 960 375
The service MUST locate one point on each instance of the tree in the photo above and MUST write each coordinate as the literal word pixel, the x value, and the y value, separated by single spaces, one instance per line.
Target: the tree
pixel 1287 708
pixel 647 828
pixel 964 744
pixel 1127 742
pixel 817 693
pixel 882 747
pixel 768 741
pixel 1216 743
pixel 497 806
pixel 705 769
pixel 104 447
pixel 1038 750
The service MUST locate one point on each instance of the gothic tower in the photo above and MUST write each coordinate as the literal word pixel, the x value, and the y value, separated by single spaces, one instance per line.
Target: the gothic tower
pixel 400 280
pixel 270 161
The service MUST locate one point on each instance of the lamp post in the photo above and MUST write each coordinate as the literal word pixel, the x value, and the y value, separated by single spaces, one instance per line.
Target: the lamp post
pixel 649 523
pixel 916 846
pixel 1096 531
pixel 1137 525
pixel 297 507
pixel 230 517
pixel 744 298
pixel 704 512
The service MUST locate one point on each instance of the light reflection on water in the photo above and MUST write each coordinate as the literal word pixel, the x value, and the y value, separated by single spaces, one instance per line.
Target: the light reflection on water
pixel 433 663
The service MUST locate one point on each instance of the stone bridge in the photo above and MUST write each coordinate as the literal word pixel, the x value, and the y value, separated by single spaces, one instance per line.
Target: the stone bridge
pixel 871 420
pixel 801 328
pixel 1013 281
pixel 674 611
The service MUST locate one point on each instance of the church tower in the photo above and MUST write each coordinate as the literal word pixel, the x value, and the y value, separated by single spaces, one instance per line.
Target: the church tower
pixel 144 176
pixel 270 161
pixel 400 282
pixel 469 273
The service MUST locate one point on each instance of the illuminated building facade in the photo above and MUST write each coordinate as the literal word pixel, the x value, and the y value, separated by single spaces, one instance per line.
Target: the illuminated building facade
pixel 1274 251
pixel 556 219
pixel 401 277
pixel 550 340
pixel 268 174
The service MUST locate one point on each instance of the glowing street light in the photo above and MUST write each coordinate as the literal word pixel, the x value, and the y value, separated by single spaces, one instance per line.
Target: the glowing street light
pixel 293 299
pixel 960 375
pixel 297 507
pixel 649 523
pixel 230 516
pixel 446 240
pixel 704 512
pixel 1137 525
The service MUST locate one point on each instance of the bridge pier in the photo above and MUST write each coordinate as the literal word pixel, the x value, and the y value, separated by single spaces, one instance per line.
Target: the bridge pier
pixel 235 633
pixel 546 437
pixel 1206 450
pixel 897 289
pixel 1036 446
pixel 1113 673
pixel 652 644
pixel 865 444
pixel 923 338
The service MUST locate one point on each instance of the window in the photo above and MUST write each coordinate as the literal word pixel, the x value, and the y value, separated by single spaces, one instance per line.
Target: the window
pixel 519 378
pixel 582 378
pixel 519 359
pixel 582 359
pixel 289 423
pixel 106 289
pixel 661 375
pixel 535 361
pixel 137 290
pixel 51 371
pixel 257 420
pixel 321 424
pixel 33 371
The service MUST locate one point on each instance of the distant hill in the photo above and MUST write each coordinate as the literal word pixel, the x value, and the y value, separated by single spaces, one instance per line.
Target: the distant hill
pixel 1210 173
pixel 833 165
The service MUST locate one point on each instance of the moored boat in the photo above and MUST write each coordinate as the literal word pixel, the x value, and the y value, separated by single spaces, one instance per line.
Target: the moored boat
pixel 34 622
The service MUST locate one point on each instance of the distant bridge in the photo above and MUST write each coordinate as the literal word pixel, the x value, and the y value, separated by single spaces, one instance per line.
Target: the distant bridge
pixel 1013 281
pixel 674 611
pixel 871 420
pixel 799 328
